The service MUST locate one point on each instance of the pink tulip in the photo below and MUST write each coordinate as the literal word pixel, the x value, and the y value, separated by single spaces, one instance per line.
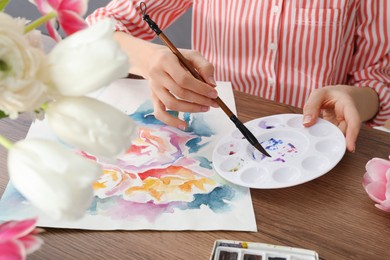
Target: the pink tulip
pixel 376 182
pixel 69 15
pixel 18 239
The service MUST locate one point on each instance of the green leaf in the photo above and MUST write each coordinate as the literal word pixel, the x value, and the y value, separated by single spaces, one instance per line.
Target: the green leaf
pixel 3 4
pixel 2 114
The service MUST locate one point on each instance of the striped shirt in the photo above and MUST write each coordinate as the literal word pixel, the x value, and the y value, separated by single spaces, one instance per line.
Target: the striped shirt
pixel 279 49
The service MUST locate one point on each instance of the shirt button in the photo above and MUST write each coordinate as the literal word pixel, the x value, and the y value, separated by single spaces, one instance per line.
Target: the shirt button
pixel 271 81
pixel 273 46
pixel 275 9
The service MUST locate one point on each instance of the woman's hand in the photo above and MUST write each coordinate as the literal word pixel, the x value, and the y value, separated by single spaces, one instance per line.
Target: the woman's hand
pixel 172 86
pixel 345 106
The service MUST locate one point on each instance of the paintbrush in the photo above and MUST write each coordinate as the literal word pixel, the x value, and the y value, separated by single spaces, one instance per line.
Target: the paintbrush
pixel 243 129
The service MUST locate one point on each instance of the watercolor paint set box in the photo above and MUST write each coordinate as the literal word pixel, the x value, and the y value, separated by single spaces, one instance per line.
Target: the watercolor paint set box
pixel 240 250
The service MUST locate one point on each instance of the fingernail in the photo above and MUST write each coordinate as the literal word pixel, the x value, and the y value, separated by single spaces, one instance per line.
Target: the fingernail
pixel 213 94
pixel 353 149
pixel 205 109
pixel 182 127
pixel 212 81
pixel 307 119
pixel 215 105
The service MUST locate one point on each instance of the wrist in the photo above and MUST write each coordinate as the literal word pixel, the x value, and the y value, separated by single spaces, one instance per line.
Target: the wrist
pixel 367 102
pixel 138 52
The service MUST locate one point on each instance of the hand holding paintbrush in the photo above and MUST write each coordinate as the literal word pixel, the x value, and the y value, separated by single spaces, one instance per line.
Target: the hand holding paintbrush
pixel 243 129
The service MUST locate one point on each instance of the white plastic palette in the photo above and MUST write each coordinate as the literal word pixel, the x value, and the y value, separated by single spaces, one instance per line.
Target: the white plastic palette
pixel 298 154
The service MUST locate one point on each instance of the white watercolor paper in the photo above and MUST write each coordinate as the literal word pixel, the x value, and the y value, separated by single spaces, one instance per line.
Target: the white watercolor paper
pixel 164 182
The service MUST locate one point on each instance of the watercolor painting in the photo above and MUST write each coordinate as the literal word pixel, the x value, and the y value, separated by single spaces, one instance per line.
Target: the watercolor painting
pixel 164 181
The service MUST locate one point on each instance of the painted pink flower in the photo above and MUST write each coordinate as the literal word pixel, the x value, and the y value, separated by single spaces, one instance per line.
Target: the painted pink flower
pixel 18 239
pixel 376 182
pixel 69 15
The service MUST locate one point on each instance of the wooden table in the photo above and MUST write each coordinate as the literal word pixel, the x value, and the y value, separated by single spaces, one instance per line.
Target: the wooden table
pixel 331 214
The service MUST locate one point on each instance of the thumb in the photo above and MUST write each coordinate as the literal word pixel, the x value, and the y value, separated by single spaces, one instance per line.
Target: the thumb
pixel 203 66
pixel 312 107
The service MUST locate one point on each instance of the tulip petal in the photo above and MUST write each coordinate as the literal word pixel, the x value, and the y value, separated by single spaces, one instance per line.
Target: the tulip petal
pixel 75 57
pixel 48 175
pixel 78 6
pixel 377 168
pixel 12 250
pixel 43 6
pixel 387 194
pixel 54 3
pixel 366 179
pixel 385 205
pixel 15 229
pixel 376 191
pixel 71 22
pixel 50 26
pixel 31 243
pixel 92 125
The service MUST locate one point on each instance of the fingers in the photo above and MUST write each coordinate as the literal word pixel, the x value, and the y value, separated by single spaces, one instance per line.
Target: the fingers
pixel 312 108
pixel 353 123
pixel 186 86
pixel 161 114
pixel 203 66
pixel 338 108
pixel 173 87
pixel 176 98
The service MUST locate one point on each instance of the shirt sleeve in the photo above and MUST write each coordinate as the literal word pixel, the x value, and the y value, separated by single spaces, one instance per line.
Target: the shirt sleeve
pixel 371 60
pixel 128 16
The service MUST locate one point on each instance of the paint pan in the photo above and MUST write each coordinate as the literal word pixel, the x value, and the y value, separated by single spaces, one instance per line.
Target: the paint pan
pixel 240 250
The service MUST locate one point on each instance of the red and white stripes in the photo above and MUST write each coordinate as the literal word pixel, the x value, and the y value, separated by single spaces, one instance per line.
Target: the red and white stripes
pixel 279 49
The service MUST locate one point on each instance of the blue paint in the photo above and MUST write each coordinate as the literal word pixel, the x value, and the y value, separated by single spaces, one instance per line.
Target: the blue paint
pixel 196 123
pixel 291 146
pixel 194 144
pixel 144 114
pixel 273 144
pixel 204 162
pixel 215 200
pixel 199 126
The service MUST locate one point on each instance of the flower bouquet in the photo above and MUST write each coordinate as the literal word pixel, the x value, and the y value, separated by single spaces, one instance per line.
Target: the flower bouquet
pixel 56 85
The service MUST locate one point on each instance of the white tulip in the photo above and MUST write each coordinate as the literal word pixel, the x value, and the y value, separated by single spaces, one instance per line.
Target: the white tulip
pixel 52 178
pixel 91 125
pixel 87 60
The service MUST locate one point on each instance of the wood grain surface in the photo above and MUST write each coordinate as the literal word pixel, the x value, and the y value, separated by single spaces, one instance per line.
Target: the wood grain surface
pixel 331 214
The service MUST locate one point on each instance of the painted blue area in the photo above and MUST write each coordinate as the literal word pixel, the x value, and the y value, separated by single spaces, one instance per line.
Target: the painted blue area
pixel 215 200
pixel 196 124
pixel 144 114
pixel 12 192
pixel 199 126
pixel 204 162
pixel 194 144
pixel 14 206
